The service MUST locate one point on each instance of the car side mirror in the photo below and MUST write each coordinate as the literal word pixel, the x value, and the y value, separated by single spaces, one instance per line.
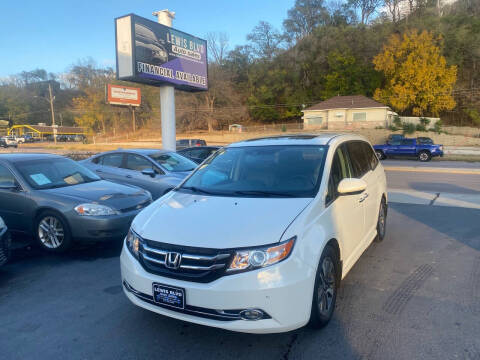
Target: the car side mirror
pixel 351 186
pixel 149 172
pixel 11 187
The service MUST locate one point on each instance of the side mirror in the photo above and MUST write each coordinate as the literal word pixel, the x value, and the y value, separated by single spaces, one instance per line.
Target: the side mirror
pixel 11 187
pixel 149 172
pixel 351 186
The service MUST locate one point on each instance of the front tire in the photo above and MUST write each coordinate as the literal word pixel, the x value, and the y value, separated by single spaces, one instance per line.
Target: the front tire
pixel 424 156
pixel 325 289
pixel 382 221
pixel 52 232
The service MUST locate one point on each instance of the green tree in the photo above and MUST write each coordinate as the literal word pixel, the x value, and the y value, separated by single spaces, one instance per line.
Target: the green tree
pixel 347 76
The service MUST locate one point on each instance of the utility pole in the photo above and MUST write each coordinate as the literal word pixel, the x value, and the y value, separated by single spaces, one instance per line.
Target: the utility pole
pixel 53 114
pixel 167 95
pixel 133 117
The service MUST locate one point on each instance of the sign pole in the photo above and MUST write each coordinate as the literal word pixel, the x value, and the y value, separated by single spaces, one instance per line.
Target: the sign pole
pixel 167 95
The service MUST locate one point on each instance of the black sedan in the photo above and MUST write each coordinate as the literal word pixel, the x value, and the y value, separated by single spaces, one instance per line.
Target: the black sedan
pixel 58 201
pixel 4 243
pixel 198 153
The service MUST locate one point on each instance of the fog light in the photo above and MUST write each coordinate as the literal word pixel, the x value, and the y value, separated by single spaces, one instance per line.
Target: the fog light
pixel 251 314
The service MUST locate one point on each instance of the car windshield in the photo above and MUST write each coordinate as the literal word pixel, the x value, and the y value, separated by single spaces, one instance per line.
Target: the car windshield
pixel 173 162
pixel 54 173
pixel 260 171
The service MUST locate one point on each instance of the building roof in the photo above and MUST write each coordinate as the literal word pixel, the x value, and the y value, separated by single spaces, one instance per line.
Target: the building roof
pixel 347 102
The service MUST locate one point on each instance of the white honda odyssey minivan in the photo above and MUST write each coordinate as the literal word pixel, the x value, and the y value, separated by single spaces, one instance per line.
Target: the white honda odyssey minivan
pixel 259 236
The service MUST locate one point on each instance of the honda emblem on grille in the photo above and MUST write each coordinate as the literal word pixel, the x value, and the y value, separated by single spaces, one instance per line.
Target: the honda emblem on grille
pixel 173 259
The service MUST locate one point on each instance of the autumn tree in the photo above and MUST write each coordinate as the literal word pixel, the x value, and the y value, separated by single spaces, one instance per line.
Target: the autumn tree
pixel 417 77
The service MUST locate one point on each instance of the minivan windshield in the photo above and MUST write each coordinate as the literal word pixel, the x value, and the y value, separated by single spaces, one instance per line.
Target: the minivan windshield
pixel 173 162
pixel 54 173
pixel 260 171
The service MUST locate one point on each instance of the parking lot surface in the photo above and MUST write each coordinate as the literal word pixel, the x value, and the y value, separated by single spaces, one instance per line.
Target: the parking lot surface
pixel 416 295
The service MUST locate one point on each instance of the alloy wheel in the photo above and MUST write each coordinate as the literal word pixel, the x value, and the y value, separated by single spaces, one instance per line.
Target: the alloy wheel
pixel 326 287
pixel 51 232
pixel 423 156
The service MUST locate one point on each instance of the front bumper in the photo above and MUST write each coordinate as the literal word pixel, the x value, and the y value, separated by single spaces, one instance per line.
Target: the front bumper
pixel 101 228
pixel 283 291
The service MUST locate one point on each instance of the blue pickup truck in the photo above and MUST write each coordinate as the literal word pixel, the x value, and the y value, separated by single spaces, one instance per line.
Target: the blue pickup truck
pixel 422 150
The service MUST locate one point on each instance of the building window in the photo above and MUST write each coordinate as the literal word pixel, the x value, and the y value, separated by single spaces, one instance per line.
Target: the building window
pixel 360 116
pixel 315 120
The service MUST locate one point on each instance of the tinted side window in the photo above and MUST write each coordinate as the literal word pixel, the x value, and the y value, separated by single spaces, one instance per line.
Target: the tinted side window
pixel 114 160
pixel 358 158
pixel 408 142
pixel 372 158
pixel 6 177
pixel 339 171
pixel 137 163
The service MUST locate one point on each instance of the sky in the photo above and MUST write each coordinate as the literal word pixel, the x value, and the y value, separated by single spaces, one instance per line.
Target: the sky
pixel 54 34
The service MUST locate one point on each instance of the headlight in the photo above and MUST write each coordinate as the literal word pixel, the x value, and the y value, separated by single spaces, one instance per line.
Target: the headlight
pixel 133 243
pixel 2 223
pixel 261 257
pixel 94 209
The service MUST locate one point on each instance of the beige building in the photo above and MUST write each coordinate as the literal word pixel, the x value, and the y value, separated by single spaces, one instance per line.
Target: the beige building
pixel 347 112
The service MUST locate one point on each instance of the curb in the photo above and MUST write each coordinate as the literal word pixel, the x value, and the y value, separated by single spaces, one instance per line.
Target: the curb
pixel 433 170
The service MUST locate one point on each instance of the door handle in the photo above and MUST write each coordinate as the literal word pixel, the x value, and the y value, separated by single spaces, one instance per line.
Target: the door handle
pixel 99 171
pixel 362 199
pixel 128 176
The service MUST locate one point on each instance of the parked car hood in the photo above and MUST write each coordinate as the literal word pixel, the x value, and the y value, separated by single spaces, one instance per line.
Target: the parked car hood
pixel 217 222
pixel 117 196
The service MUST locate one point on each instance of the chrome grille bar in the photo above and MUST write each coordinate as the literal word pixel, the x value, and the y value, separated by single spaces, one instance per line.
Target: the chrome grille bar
pixel 153 250
pixel 202 268
pixel 205 257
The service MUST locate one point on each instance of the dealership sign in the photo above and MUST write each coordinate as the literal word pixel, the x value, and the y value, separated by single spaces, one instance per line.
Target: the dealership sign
pixel 155 54
pixel 123 95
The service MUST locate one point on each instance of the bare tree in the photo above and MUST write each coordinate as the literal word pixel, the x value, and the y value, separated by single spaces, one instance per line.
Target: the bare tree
pixel 304 17
pixel 217 46
pixel 367 8
pixel 393 7
pixel 265 39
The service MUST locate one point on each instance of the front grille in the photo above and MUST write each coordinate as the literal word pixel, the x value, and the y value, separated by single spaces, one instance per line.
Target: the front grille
pixel 196 264
pixel 220 315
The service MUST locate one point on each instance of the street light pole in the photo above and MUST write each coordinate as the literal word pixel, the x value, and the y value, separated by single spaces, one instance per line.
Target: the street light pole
pixel 53 114
pixel 167 95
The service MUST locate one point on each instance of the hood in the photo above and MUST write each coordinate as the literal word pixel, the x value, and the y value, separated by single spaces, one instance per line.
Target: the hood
pixel 216 221
pixel 116 196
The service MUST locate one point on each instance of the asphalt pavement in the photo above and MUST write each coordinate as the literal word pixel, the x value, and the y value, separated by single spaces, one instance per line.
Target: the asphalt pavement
pixel 414 296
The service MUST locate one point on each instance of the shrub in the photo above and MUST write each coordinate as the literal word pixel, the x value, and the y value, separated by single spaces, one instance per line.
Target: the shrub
pixel 392 128
pixel 397 121
pixel 438 126
pixel 424 121
pixel 420 127
pixel 284 128
pixel 408 128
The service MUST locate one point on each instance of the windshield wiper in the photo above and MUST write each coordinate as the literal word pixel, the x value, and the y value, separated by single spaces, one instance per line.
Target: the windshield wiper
pixel 264 193
pixel 197 190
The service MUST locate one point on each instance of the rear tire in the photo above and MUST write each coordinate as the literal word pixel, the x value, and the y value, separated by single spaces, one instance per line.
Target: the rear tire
pixel 52 232
pixel 424 156
pixel 325 288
